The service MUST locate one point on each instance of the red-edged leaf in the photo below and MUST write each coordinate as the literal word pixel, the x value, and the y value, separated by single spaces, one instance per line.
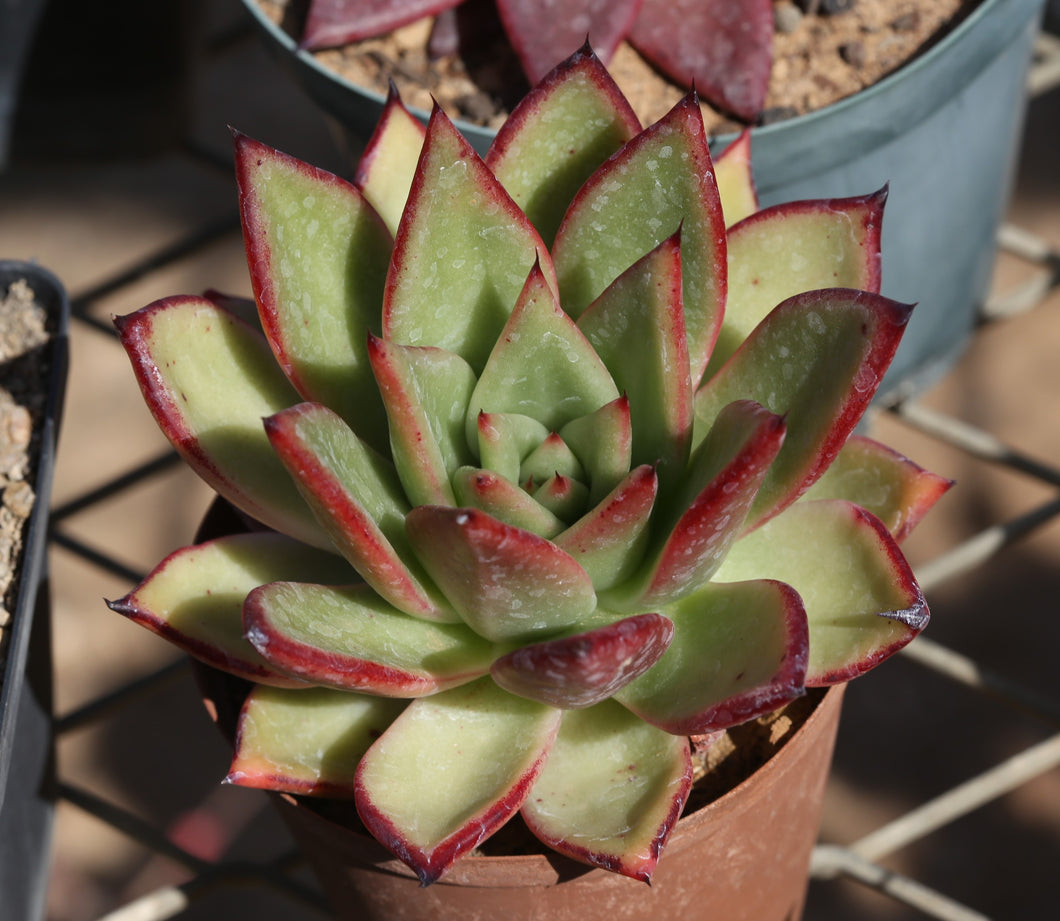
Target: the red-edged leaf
pixel 879 479
pixel 723 49
pixel 387 164
pixel 462 253
pixel 611 791
pixel 637 327
pixel 357 497
pixel 318 255
pixel 486 744
pixel 581 670
pixel 348 637
pixel 739 650
pixel 603 442
pixel 609 540
pixel 194 597
pixel 735 178
pixel 208 379
pixel 558 135
pixel 781 251
pixel 721 484
pixel 664 175
pixel 816 360
pixel 504 439
pixel 338 22
pixel 505 582
pixel 542 35
pixel 861 598
pixel 308 741
pixel 504 500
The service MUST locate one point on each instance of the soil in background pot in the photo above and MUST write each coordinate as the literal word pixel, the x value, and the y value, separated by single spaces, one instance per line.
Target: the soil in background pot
pixel 819 56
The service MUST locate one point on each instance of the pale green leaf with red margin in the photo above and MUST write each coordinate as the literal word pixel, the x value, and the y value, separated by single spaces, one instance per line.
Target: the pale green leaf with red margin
pixel 386 167
pixel 348 637
pixel 664 177
pixel 194 597
pixel 557 136
pixel 356 496
pixel 209 402
pixel 506 583
pixel 488 745
pixel 797 246
pixel 637 328
pixel 426 393
pixel 462 252
pixel 735 178
pixel 817 360
pixel 504 439
pixel 879 479
pixel 611 791
pixel 861 598
pixel 504 500
pixel 603 442
pixel 307 741
pixel 318 255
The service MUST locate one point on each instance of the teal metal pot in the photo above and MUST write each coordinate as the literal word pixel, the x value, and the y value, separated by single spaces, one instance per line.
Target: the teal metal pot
pixel 943 132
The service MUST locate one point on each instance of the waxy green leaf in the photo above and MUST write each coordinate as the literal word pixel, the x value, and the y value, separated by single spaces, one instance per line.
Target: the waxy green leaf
pixel 348 637
pixel 504 439
pixel 603 442
pixel 209 402
pixel 486 743
pixel 558 135
pixel 388 163
pixel 308 741
pixel 194 597
pixel 505 582
pixel 861 598
pixel 637 327
pixel 665 175
pixel 357 498
pixel 736 185
pixel 739 651
pixel 611 791
pixel 462 253
pixel 318 254
pixel 798 246
pixel 881 481
pixel 816 360
pixel 502 499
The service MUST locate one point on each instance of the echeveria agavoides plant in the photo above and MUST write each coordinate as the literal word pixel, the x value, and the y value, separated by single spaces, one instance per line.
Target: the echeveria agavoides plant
pixel 556 471
pixel 722 47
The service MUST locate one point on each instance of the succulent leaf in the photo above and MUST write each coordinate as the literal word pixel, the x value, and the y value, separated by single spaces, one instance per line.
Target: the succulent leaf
pixel 739 650
pixel 194 597
pixel 318 254
pixel 723 480
pixel 558 135
pixel 308 741
pixel 504 439
pixel 505 582
pixel 388 163
pixel 637 327
pixel 426 393
pixel 817 360
pixel 348 637
pixel 879 479
pixel 580 670
pixel 609 540
pixel 357 497
pixel 798 246
pixel 337 22
pixel 736 185
pixel 611 791
pixel 209 402
pixel 861 598
pixel 487 743
pixel 541 38
pixel 603 442
pixel 504 500
pixel 664 172
pixel 724 49
pixel 462 253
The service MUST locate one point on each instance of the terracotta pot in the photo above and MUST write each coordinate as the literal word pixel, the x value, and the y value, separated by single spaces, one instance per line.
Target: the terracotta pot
pixel 743 856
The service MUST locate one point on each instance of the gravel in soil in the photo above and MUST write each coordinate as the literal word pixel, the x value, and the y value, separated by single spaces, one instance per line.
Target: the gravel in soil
pixel 823 51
